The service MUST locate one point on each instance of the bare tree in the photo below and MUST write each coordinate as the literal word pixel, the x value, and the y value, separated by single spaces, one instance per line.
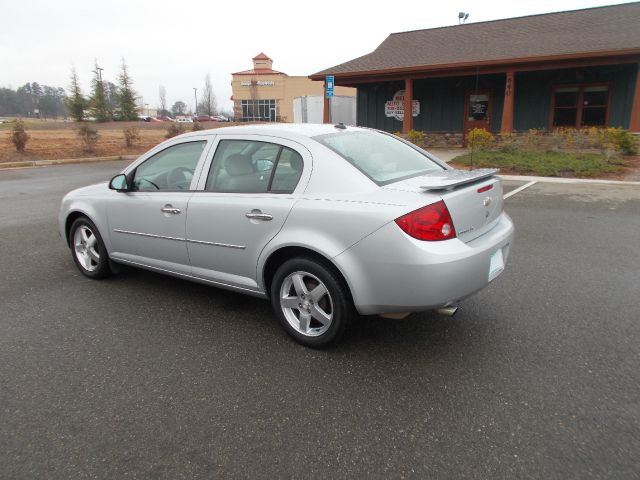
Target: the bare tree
pixel 163 100
pixel 208 98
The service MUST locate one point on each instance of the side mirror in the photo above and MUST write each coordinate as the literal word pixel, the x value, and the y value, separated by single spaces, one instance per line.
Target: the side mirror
pixel 119 183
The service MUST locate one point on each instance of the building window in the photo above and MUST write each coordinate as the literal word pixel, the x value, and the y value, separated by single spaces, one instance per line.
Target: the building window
pixel 580 106
pixel 259 110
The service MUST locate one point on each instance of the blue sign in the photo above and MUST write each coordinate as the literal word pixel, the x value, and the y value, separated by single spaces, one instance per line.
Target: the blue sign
pixel 329 86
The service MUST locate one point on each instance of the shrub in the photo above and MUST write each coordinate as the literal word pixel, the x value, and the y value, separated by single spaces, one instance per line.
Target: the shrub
pixel 619 139
pixel 89 137
pixel 196 127
pixel 534 138
pixel 416 137
pixel 19 136
pixel 174 129
pixel 507 142
pixel 480 139
pixel 131 136
pixel 562 138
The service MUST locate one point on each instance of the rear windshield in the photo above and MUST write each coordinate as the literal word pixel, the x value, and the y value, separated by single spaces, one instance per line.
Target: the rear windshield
pixel 382 158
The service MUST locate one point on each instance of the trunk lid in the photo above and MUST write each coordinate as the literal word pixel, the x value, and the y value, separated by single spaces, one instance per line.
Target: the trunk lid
pixel 473 198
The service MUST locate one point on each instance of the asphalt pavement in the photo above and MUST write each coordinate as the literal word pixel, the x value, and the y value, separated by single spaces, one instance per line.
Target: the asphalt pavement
pixel 146 376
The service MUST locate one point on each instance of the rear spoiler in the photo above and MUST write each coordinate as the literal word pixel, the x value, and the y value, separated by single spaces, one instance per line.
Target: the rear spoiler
pixel 450 179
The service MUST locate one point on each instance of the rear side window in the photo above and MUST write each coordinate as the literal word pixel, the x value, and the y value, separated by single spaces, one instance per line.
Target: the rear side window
pixel 382 158
pixel 246 166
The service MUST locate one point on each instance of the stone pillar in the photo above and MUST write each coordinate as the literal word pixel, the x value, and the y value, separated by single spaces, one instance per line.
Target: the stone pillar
pixel 407 123
pixel 507 109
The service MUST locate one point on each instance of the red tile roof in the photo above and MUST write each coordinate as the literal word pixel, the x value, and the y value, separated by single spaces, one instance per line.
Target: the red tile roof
pixel 259 71
pixel 261 56
pixel 613 28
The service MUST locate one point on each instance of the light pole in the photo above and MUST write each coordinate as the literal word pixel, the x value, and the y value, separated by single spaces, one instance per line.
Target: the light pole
pixel 195 97
pixel 99 73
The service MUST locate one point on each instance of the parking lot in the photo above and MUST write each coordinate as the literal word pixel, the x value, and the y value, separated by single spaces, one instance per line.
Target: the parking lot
pixel 146 376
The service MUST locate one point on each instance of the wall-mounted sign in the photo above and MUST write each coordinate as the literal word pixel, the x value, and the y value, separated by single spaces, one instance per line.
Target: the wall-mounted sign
pixel 395 107
pixel 478 107
pixel 259 83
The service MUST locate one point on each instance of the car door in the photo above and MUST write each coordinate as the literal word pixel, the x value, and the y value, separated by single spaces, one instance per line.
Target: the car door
pixel 147 223
pixel 243 199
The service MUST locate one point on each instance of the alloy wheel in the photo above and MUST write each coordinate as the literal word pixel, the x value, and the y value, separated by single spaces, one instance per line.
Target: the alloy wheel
pixel 306 303
pixel 85 245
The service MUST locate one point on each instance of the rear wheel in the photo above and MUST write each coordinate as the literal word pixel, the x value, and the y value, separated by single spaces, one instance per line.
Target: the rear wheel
pixel 311 302
pixel 88 250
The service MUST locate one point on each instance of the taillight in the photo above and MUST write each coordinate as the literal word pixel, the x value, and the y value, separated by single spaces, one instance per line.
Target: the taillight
pixel 431 223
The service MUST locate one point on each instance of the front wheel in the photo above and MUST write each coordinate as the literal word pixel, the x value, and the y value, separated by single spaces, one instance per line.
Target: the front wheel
pixel 311 302
pixel 88 250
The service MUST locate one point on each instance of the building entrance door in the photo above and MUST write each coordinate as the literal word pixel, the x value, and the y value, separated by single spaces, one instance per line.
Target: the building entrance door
pixel 477 112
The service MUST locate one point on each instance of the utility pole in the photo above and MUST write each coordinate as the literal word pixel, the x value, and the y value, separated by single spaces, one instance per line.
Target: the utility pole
pixel 99 73
pixel 195 97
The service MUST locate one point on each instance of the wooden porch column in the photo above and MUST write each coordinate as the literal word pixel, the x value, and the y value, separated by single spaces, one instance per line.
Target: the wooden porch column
pixel 634 124
pixel 407 123
pixel 326 117
pixel 507 109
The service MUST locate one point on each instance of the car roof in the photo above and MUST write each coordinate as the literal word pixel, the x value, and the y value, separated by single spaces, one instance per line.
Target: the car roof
pixel 292 131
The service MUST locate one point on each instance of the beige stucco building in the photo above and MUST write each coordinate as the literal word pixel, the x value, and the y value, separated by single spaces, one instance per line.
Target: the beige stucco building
pixel 264 94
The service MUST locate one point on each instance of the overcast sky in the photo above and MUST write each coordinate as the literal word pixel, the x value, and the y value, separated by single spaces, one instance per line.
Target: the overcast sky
pixel 176 43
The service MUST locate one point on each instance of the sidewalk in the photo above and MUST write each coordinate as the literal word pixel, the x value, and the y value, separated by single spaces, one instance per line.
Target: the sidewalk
pixel 447 154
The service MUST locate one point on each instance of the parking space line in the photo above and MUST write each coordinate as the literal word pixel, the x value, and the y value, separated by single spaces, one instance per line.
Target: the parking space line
pixel 519 189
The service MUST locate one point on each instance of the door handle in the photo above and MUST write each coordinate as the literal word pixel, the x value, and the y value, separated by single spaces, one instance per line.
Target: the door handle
pixel 168 208
pixel 257 215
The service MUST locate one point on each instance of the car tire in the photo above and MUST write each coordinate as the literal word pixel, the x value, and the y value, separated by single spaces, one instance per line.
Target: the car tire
pixel 88 250
pixel 311 302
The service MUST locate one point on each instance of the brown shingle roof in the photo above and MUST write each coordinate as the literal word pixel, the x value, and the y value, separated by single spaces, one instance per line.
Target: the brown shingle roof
pixel 601 29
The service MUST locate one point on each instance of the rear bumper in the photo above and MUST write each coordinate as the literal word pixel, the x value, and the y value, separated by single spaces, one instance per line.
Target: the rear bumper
pixel 388 271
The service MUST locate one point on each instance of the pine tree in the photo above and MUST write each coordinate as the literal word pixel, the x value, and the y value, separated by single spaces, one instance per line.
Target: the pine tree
pixel 126 95
pixel 75 102
pixel 98 102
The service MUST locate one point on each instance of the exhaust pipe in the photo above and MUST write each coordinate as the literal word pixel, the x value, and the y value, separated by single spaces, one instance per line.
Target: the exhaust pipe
pixel 448 311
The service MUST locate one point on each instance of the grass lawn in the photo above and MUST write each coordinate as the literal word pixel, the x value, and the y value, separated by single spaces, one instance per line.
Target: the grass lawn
pixel 547 164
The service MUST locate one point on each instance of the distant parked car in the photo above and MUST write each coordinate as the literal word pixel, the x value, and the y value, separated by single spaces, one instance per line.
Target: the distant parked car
pixel 318 219
pixel 144 118
pixel 165 118
pixel 183 119
pixel 220 118
pixel 203 118
pixel 154 119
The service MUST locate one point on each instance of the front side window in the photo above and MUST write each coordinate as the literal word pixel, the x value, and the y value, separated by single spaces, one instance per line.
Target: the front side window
pixel 580 106
pixel 382 158
pixel 246 166
pixel 171 169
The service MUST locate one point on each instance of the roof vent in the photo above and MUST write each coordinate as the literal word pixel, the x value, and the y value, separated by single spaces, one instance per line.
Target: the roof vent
pixel 341 126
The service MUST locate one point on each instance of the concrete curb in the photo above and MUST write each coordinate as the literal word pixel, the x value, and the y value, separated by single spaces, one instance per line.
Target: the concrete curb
pixel 520 178
pixel 593 181
pixel 45 163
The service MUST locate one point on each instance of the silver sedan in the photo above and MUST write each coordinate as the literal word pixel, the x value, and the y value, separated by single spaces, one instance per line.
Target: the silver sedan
pixel 323 220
